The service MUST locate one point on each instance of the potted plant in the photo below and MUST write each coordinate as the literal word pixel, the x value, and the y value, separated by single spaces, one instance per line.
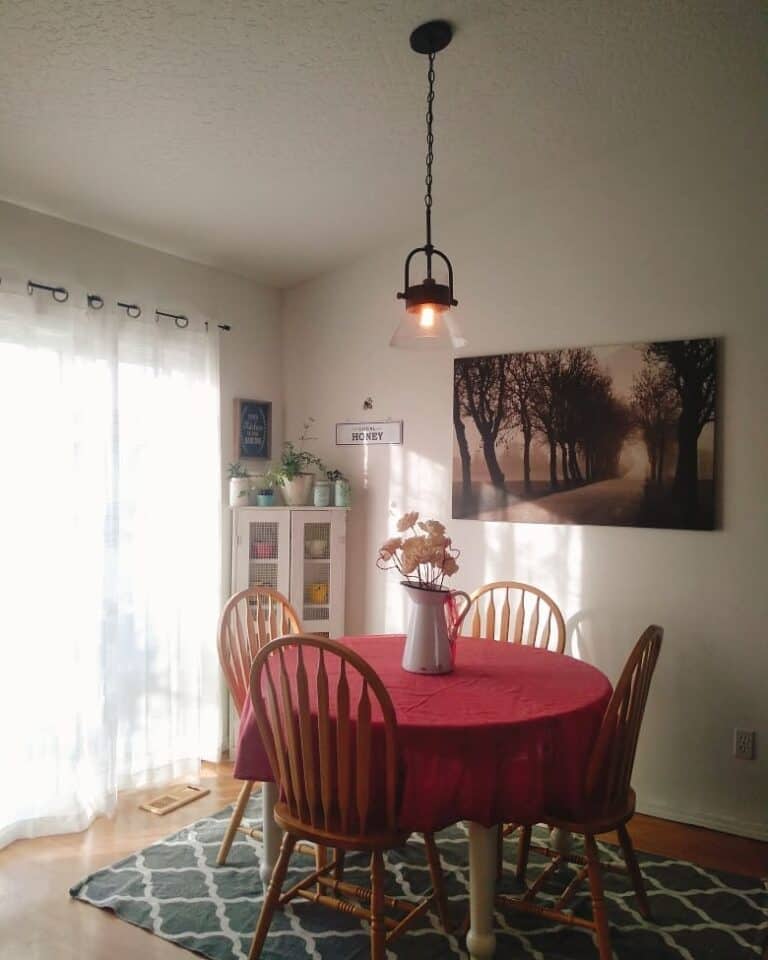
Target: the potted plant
pixel 340 487
pixel 238 485
pixel 295 464
pixel 263 488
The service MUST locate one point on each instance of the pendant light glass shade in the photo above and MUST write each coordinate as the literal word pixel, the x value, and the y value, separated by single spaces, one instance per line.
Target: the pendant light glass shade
pixel 430 327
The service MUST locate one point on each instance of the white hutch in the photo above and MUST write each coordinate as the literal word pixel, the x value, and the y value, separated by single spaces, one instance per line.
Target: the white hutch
pixel 300 551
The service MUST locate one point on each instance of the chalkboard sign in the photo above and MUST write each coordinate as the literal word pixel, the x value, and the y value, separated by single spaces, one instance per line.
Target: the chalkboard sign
pixel 253 429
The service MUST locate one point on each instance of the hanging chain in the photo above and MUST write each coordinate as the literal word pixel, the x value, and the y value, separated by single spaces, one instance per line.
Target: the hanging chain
pixel 430 143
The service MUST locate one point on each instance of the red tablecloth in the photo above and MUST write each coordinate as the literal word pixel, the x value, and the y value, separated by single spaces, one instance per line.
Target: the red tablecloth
pixel 504 737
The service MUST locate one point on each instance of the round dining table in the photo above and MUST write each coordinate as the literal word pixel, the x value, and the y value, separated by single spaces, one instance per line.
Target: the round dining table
pixel 504 737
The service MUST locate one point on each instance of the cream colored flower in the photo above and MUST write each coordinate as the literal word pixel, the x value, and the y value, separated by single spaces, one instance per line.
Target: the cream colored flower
pixel 438 541
pixel 420 548
pixel 450 566
pixel 432 527
pixel 407 521
pixel 389 547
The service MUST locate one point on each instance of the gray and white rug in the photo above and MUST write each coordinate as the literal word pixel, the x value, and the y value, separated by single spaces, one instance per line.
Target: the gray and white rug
pixel 175 890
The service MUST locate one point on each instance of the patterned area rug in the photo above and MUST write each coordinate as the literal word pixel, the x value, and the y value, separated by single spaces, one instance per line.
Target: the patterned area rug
pixel 175 890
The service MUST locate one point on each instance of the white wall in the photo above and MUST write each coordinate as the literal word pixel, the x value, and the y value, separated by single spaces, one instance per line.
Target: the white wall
pixel 660 242
pixel 54 251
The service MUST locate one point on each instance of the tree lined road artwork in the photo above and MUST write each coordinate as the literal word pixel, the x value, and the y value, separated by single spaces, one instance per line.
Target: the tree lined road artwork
pixel 619 435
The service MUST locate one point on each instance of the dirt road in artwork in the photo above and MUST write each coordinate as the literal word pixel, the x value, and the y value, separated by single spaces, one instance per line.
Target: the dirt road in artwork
pixel 609 501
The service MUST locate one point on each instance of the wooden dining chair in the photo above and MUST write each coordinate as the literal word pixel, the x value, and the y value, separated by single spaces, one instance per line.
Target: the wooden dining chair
pixel 513 612
pixel 516 613
pixel 249 620
pixel 330 732
pixel 610 801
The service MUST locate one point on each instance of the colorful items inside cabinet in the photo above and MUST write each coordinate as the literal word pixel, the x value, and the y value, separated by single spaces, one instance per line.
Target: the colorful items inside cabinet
pixel 299 551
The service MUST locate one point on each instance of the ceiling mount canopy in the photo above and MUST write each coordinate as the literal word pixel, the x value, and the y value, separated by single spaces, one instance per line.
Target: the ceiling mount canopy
pixel 427 321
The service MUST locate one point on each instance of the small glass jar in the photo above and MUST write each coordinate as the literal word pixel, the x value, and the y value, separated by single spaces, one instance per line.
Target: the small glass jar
pixel 322 493
pixel 341 493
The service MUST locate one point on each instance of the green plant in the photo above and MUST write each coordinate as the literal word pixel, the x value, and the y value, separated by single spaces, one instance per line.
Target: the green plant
pixel 269 480
pixel 334 475
pixel 236 471
pixel 295 459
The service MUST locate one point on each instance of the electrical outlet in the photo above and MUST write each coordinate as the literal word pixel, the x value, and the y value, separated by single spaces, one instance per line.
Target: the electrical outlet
pixel 744 744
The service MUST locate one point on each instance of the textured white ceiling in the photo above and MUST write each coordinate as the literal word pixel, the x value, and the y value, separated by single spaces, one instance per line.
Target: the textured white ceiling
pixel 277 139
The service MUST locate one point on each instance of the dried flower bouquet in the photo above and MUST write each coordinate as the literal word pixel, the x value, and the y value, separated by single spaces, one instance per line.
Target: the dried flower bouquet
pixel 423 554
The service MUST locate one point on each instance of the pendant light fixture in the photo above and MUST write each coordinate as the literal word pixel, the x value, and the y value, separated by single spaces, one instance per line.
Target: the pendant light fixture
pixel 428 321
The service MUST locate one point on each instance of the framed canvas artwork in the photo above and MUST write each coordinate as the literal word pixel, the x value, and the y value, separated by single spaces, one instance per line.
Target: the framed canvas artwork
pixel 253 429
pixel 619 435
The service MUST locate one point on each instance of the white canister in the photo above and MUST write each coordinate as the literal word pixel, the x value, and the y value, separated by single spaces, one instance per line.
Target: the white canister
pixel 238 491
pixel 322 493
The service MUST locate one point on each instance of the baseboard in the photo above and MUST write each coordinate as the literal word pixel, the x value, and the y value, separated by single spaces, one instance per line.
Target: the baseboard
pixel 754 831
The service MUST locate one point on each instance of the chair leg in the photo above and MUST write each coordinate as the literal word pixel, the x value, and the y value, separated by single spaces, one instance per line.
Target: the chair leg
pixel 273 895
pixel 378 929
pixel 598 898
pixel 436 873
pixel 634 871
pixel 234 821
pixel 523 851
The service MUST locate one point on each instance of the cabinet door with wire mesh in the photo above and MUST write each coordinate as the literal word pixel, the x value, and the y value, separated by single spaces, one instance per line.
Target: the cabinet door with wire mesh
pixel 261 556
pixel 317 569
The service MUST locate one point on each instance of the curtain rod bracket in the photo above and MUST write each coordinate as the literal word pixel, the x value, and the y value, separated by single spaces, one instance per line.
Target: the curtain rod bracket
pixel 132 309
pixel 59 294
pixel 179 319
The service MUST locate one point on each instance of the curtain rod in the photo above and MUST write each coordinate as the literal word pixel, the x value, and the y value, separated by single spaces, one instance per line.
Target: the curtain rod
pixel 96 302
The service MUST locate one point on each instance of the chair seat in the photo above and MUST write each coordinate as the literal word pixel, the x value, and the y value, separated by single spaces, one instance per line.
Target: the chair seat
pixel 599 821
pixel 370 840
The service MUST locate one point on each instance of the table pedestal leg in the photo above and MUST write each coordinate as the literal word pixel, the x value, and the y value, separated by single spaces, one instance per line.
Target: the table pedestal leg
pixel 273 835
pixel 560 840
pixel 483 841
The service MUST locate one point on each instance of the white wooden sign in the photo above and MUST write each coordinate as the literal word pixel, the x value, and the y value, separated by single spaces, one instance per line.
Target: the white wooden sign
pixel 366 432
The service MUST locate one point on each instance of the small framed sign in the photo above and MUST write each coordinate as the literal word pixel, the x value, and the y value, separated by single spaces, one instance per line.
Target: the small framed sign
pixel 386 431
pixel 253 429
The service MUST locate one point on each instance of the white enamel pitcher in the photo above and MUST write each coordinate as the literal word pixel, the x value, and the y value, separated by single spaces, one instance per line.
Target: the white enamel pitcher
pixel 434 623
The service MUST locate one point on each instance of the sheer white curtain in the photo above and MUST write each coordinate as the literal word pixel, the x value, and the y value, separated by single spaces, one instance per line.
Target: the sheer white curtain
pixel 109 558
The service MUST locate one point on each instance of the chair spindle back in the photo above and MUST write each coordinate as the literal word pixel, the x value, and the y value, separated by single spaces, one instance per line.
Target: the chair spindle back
pixel 609 772
pixel 249 620
pixel 516 613
pixel 316 703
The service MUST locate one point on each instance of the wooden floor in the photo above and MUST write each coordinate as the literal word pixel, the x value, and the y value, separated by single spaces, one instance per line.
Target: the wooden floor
pixel 38 921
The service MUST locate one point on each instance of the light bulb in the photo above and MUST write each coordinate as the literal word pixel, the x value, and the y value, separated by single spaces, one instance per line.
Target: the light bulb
pixel 427 316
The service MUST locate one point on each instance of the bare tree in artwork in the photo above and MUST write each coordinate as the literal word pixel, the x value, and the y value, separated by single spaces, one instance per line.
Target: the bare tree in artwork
pixel 579 383
pixel 484 383
pixel 523 384
pixel 548 371
pixel 459 411
pixel 692 364
pixel 656 408
pixel 575 412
